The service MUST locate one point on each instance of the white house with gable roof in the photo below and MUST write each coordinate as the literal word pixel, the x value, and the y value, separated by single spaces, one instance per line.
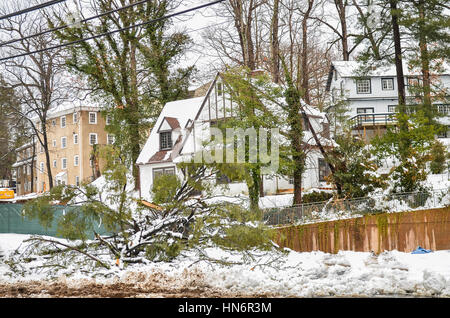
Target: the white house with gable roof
pixel 182 126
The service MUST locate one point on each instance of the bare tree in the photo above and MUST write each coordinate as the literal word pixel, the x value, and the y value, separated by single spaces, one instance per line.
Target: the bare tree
pixel 38 79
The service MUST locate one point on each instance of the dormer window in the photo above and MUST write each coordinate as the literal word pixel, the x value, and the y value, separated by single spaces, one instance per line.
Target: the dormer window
pixel 165 140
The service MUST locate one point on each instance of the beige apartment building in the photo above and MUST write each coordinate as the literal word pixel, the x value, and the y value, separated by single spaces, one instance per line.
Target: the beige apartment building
pixel 72 133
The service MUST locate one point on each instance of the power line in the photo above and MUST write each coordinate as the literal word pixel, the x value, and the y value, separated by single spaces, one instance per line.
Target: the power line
pixel 68 25
pixel 36 7
pixel 113 32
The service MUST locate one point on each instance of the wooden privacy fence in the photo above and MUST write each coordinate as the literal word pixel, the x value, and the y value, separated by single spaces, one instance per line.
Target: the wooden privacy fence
pixel 402 231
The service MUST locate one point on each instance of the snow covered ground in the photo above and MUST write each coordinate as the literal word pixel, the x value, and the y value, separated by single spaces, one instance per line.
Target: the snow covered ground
pixel 282 274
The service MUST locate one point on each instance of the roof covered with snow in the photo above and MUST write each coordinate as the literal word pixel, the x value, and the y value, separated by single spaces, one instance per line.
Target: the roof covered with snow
pixel 353 68
pixel 177 114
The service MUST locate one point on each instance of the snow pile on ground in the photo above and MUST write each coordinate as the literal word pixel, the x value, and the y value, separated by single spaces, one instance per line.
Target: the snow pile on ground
pixel 287 273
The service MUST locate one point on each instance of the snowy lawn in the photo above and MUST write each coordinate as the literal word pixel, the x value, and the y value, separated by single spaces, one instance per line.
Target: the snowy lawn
pixel 281 274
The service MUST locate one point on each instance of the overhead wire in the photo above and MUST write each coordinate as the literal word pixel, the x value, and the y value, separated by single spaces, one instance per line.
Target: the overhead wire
pixel 31 9
pixel 114 31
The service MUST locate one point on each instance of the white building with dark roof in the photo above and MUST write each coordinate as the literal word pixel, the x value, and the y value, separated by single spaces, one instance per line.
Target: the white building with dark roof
pixel 183 125
pixel 371 96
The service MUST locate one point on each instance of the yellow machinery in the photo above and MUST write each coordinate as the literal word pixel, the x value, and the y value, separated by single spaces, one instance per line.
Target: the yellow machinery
pixel 6 194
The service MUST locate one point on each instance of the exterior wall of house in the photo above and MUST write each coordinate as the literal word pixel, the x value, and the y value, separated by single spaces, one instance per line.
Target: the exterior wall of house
pixel 74 172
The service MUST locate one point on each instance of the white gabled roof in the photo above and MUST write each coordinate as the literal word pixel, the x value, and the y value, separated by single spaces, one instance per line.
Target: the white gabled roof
pixel 183 111
pixel 351 69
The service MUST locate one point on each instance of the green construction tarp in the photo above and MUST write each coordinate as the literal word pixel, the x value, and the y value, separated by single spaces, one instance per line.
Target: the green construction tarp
pixel 12 221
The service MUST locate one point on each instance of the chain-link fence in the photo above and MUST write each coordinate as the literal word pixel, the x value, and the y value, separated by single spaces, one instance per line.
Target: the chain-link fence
pixel 336 208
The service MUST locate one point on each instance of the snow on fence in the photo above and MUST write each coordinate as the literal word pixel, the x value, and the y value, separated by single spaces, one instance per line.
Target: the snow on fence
pixel 349 208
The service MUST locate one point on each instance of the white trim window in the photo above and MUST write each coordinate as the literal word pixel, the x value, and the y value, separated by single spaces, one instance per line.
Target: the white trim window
pixel 108 119
pixel 363 86
pixel 63 142
pixel 76 160
pixel 63 121
pixel 63 163
pixel 93 139
pixel 75 117
pixel 54 122
pixel 92 118
pixel 110 139
pixel 77 181
pixel 75 139
pixel 54 163
pixel 387 84
pixel 54 143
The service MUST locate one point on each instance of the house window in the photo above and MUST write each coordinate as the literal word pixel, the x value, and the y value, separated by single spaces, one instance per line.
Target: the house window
pixel 363 86
pixel 92 118
pixel 77 181
pixel 63 121
pixel 445 133
pixel 163 171
pixel 42 167
pixel 324 169
pixel 392 108
pixel 110 139
pixel 54 143
pixel 54 122
pixel 165 140
pixel 63 142
pixel 305 124
pixel 75 118
pixel 92 139
pixel 64 163
pixel 108 119
pixel 444 109
pixel 387 84
pixel 76 160
pixel 75 139
pixel 54 163
pixel 413 82
pixel 367 110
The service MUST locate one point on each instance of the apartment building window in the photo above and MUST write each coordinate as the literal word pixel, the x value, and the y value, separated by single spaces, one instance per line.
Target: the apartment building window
pixel 165 140
pixel 75 118
pixel 92 139
pixel 76 160
pixel 75 139
pixel 363 86
pixel 64 163
pixel 42 167
pixel 54 122
pixel 63 121
pixel 387 84
pixel 54 143
pixel 77 181
pixel 63 142
pixel 54 163
pixel 108 119
pixel 92 118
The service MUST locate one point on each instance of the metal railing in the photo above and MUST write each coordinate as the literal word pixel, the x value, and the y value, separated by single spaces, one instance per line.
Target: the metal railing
pixel 372 119
pixel 318 211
